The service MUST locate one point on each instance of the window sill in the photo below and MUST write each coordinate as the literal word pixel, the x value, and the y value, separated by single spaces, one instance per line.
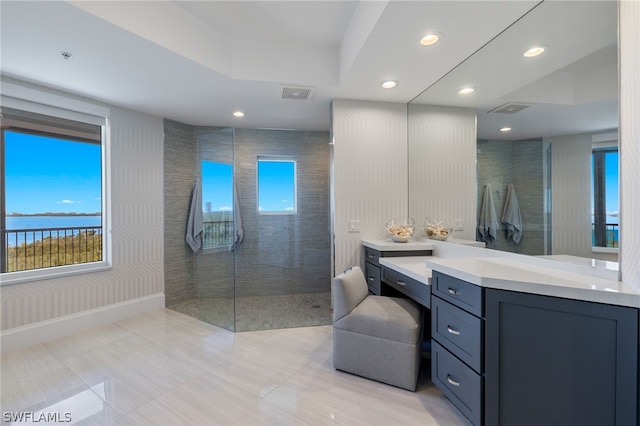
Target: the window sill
pixel 10 278
pixel 610 250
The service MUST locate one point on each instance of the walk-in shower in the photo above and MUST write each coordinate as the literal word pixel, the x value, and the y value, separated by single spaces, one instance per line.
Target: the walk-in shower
pixel 264 260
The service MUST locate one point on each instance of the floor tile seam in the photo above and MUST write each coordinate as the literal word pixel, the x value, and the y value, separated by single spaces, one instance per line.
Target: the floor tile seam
pixel 155 400
pixel 90 387
pixel 123 376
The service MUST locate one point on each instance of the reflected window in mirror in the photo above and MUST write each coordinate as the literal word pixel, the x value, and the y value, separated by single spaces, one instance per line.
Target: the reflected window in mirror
pixel 604 197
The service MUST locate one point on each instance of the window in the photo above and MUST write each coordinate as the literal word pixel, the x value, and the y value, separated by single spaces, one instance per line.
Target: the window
pixel 51 196
pixel 605 197
pixel 217 204
pixel 276 185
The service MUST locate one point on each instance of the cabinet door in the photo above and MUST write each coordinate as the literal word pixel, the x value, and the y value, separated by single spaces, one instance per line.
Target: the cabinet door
pixel 552 361
pixel 372 274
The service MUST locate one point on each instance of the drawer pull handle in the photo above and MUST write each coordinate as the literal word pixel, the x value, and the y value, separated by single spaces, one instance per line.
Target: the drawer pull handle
pixel 453 331
pixel 371 279
pixel 371 256
pixel 453 382
pixel 453 291
pixel 402 283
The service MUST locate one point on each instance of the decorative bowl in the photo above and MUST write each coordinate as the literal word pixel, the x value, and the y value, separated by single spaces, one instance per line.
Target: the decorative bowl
pixel 436 230
pixel 400 229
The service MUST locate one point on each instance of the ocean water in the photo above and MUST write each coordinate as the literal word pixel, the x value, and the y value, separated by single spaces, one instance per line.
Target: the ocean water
pixel 38 226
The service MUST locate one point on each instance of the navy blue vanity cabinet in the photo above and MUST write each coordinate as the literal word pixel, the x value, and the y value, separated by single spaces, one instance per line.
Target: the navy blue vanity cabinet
pixel 457 346
pixel 372 267
pixel 553 361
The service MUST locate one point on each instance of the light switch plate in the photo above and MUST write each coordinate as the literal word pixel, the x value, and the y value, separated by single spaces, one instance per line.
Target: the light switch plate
pixel 354 226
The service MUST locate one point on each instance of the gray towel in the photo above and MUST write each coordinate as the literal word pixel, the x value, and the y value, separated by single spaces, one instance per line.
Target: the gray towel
pixel 237 221
pixel 195 227
pixel 488 222
pixel 511 216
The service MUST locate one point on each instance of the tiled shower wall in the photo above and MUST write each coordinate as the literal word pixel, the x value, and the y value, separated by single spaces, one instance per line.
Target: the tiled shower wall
pixel 280 254
pixel 521 164
pixel 180 170
pixel 284 253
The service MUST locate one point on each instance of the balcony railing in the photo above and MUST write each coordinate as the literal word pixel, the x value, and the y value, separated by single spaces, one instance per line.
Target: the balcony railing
pixel 217 234
pixel 26 249
pixel 611 237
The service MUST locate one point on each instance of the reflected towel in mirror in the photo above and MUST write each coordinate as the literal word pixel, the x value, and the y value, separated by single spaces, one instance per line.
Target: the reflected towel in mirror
pixel 488 221
pixel 511 216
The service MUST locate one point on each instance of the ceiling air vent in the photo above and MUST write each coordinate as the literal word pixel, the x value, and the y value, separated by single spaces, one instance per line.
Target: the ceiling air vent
pixel 510 108
pixel 297 93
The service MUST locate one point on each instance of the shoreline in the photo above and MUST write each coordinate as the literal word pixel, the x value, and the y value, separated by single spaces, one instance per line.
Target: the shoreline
pixel 51 214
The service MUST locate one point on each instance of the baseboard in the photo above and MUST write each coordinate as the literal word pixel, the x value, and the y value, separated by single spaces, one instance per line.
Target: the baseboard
pixel 43 331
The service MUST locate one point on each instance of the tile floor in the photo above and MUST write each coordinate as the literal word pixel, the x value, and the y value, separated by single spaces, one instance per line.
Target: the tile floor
pixel 166 368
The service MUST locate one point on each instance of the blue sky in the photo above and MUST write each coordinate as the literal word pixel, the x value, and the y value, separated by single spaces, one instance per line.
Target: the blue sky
pixel 275 181
pixel 51 175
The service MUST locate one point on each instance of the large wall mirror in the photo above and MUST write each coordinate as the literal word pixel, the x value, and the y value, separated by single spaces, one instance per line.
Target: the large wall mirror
pixel 562 111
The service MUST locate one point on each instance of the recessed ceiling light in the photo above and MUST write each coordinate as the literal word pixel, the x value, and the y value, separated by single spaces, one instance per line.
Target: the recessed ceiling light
pixel 534 51
pixel 466 90
pixel 389 84
pixel 430 39
pixel 238 114
pixel 505 129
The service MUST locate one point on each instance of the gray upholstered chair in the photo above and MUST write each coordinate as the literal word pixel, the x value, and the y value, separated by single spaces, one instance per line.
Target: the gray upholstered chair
pixel 376 337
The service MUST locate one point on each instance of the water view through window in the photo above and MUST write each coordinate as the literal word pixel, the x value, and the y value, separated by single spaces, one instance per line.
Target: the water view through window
pixel 604 190
pixel 52 195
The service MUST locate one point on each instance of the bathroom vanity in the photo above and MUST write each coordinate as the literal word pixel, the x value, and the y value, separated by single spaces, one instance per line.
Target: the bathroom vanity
pixel 374 250
pixel 527 341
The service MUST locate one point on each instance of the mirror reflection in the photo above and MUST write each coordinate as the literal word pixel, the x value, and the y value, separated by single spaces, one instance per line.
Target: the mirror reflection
pixel 547 130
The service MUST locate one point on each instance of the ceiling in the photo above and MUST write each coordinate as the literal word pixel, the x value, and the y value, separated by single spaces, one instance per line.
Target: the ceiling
pixel 199 61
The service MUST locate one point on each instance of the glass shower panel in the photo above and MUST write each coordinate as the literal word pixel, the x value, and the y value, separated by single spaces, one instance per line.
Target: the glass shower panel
pixel 283 265
pixel 214 279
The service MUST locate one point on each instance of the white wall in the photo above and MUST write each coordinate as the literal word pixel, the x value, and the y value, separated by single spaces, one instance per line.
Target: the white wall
pixel 137 235
pixel 571 195
pixel 369 172
pixel 442 166
pixel 629 34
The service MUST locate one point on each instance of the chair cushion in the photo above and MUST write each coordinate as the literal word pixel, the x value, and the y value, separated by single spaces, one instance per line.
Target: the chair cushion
pixel 347 291
pixel 384 317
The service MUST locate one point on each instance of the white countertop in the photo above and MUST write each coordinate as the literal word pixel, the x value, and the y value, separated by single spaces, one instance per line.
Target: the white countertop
pixel 412 266
pixel 388 245
pixel 508 274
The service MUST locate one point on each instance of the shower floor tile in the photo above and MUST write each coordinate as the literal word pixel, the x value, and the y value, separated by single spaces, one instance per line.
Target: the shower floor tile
pixel 260 312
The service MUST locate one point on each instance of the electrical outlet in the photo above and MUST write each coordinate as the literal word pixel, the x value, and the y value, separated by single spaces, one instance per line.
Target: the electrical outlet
pixel 354 226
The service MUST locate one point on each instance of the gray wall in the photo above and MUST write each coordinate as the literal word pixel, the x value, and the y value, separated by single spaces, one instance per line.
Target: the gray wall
pixel 520 163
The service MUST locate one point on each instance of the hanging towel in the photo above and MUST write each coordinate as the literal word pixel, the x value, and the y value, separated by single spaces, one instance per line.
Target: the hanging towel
pixel 488 222
pixel 511 216
pixel 237 221
pixel 195 227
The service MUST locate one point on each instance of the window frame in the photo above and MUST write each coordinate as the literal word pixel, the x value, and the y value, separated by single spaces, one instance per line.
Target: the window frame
pixel 36 101
pixel 601 144
pixel 281 159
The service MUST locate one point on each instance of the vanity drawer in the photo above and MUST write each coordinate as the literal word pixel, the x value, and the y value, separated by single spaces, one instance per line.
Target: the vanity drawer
pixel 372 274
pixel 458 331
pixel 460 384
pixel 461 293
pixel 416 290
pixel 371 255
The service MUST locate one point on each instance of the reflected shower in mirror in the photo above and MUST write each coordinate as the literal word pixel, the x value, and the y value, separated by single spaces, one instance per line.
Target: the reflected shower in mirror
pixel 540 120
